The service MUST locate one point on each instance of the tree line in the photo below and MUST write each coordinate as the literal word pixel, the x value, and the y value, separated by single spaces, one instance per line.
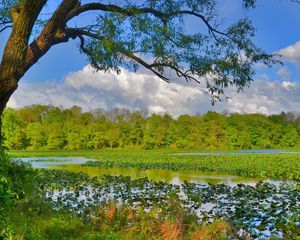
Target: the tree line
pixel 47 127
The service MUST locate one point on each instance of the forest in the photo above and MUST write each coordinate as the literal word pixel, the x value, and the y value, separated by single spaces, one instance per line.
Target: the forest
pixel 40 127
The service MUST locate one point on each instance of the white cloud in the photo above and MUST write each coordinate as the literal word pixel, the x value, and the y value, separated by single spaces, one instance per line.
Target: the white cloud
pixel 283 73
pixel 288 85
pixel 291 53
pixel 142 90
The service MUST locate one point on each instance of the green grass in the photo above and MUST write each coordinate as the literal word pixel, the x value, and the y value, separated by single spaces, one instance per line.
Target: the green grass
pixel 274 166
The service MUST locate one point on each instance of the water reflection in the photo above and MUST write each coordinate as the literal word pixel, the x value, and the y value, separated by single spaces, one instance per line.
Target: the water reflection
pixel 174 177
pixel 47 162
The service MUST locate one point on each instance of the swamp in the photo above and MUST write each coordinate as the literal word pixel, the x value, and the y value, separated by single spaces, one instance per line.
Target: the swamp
pixel 254 193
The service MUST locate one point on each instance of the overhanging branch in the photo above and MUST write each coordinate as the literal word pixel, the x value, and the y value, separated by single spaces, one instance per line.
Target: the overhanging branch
pixel 115 9
pixel 72 32
pixel 164 17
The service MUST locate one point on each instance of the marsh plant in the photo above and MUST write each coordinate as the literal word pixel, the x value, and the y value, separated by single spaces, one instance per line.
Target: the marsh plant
pixel 261 211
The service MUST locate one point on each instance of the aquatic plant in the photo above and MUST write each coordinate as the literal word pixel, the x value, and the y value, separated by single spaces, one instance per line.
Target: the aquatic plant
pixel 263 210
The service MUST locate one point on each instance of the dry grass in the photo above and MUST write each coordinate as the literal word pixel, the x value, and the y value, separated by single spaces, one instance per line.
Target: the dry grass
pixel 111 212
pixel 216 231
pixel 176 225
pixel 171 230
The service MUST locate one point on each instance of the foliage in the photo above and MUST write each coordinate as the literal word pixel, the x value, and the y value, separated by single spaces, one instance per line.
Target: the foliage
pixel 47 127
pixel 17 185
pixel 223 58
pixel 6 197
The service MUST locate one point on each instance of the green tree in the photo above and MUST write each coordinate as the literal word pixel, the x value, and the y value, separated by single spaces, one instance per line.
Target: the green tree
pixel 74 139
pixel 121 29
pixel 237 132
pixel 18 140
pixel 36 135
pixel 9 124
pixel 290 137
pixel 156 131
pixel 214 129
pixel 55 136
pixel 137 128
pixel 14 135
pixel 124 131
pixel 179 131
pixel 99 141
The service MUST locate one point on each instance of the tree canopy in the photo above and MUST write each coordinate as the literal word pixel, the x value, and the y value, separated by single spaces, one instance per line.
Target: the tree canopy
pixel 152 33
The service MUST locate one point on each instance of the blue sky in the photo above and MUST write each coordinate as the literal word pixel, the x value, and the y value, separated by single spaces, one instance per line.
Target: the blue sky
pixel 54 79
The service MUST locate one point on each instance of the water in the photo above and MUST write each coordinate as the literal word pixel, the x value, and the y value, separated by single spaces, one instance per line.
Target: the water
pixel 175 177
pixel 48 162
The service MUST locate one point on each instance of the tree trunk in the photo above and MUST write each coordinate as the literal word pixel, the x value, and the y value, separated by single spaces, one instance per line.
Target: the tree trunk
pixel 12 66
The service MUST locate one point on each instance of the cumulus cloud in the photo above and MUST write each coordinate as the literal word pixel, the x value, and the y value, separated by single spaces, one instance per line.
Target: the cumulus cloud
pixel 288 85
pixel 142 90
pixel 291 53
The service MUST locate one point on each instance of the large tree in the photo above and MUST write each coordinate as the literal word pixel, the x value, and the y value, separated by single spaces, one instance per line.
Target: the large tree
pixel 148 33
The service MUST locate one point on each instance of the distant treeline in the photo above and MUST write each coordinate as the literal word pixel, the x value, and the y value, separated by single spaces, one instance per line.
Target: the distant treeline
pixel 48 127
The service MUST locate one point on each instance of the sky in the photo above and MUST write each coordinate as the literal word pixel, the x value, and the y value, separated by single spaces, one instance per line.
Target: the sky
pixel 64 78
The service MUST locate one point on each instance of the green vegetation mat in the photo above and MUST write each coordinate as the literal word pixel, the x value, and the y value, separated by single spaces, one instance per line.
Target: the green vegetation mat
pixel 273 166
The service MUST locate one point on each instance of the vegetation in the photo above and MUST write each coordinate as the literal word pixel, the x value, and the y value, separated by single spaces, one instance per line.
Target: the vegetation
pixel 29 211
pixel 273 166
pixel 47 127
pixel 66 205
pixel 262 166
pixel 142 209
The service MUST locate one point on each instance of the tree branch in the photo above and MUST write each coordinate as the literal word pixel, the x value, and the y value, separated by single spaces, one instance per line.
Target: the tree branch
pixel 187 75
pixel 164 17
pixel 211 29
pixel 72 32
pixel 52 33
pixel 114 8
pixel 4 28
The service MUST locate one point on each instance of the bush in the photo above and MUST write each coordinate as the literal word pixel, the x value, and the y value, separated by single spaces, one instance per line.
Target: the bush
pixel 17 183
pixel 20 176
pixel 6 196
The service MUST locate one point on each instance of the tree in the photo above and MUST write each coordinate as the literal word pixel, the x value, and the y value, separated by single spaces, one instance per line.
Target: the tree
pixel 55 137
pixel 36 135
pixel 130 33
